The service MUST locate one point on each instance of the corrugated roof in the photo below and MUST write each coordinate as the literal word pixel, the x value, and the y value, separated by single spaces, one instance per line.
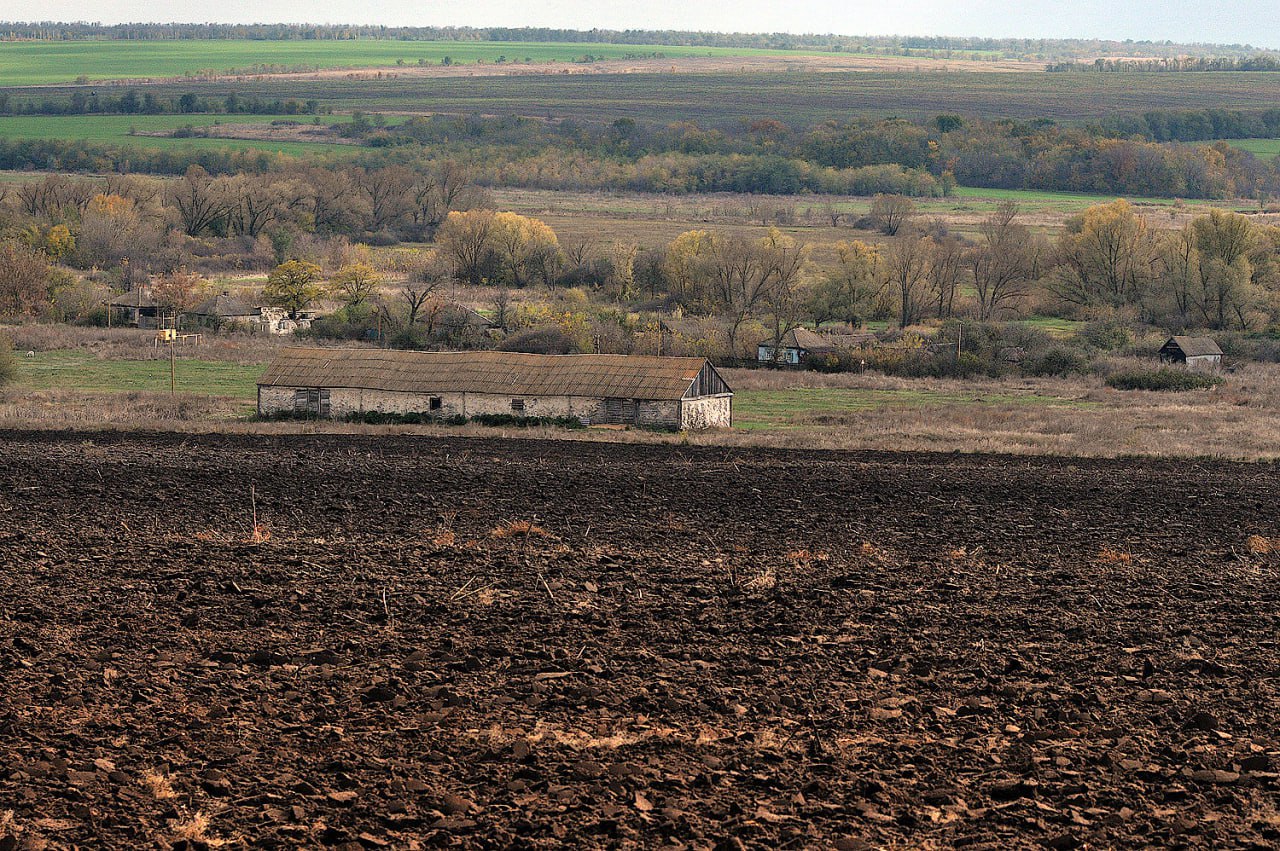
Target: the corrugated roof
pixel 499 373
pixel 1194 347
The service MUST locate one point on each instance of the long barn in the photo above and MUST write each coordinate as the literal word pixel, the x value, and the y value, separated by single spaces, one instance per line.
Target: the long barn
pixel 678 393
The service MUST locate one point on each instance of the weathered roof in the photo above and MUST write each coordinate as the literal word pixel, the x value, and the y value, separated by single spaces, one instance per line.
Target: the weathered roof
pixel 814 341
pixel 499 373
pixel 136 297
pixel 1194 347
pixel 223 305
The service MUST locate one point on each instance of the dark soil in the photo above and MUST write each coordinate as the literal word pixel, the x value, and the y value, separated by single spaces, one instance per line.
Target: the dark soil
pixel 518 643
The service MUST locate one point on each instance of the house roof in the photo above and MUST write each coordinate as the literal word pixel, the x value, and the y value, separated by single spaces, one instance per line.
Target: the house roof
pixel 137 297
pixel 498 373
pixel 813 341
pixel 223 305
pixel 1194 346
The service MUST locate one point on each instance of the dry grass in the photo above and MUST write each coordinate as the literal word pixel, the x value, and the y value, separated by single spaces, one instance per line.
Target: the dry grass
pixel 521 529
pixel 1260 545
pixel 158 785
pixel 137 344
pixel 1109 555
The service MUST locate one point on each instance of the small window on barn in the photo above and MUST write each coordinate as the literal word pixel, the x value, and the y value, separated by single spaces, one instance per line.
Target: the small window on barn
pixel 434 403
pixel 517 406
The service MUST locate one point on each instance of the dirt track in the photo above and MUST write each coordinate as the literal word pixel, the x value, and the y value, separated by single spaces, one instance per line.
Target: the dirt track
pixel 690 646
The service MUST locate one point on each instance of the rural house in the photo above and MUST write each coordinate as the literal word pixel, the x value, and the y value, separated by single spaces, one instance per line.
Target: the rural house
pixel 799 343
pixel 677 393
pixel 223 310
pixel 1200 354
pixel 136 307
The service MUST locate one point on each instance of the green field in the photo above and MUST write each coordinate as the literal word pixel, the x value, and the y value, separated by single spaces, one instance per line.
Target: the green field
pixel 78 370
pixel 1261 148
pixel 39 63
pixel 118 130
pixel 757 410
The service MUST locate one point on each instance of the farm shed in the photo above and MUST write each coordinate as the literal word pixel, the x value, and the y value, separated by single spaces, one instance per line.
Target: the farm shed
pixel 1200 354
pixel 678 393
pixel 799 343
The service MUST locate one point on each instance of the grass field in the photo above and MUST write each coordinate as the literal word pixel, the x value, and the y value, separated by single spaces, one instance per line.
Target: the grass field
pixel 79 370
pixel 727 98
pixel 807 407
pixel 38 63
pixel 1262 148
pixel 118 130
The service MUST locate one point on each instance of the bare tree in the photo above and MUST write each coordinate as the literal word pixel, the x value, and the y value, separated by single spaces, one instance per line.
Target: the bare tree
pixel 1005 264
pixel 907 266
pixel 199 199
pixel 891 213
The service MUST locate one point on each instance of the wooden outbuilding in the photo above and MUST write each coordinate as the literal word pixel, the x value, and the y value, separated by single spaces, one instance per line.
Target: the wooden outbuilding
pixel 676 393
pixel 797 344
pixel 1199 354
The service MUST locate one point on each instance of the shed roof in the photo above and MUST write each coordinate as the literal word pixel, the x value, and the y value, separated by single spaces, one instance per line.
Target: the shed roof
pixel 136 297
pixel 223 305
pixel 499 373
pixel 1194 347
pixel 815 341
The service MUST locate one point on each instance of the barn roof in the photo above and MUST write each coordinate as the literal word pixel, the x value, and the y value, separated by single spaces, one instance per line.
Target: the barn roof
pixel 1195 346
pixel 499 373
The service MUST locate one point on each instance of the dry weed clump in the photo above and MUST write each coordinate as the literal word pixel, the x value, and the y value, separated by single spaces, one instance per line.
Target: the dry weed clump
pixel 1261 545
pixel 158 785
pixel 1110 555
pixel 519 528
pixel 763 579
pixel 195 829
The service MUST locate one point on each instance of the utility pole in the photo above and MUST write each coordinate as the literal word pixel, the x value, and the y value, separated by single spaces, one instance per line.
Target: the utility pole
pixel 959 340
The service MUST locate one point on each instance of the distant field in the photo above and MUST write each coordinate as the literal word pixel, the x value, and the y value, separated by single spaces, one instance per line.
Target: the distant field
pixel 1263 148
pixel 38 63
pixel 117 130
pixel 728 98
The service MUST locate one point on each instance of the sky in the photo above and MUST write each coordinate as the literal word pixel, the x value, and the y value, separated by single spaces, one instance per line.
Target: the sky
pixel 1228 21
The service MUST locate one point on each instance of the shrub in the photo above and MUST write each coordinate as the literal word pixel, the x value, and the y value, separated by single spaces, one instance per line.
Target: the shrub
pixel 1109 335
pixel 1056 361
pixel 1174 380
pixel 8 366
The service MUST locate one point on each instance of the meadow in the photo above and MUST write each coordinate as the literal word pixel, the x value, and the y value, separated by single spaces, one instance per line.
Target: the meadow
pixel 40 63
pixel 122 130
pixel 1261 148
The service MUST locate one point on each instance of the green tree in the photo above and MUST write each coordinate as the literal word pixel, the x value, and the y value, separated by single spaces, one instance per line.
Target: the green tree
pixel 355 284
pixel 293 285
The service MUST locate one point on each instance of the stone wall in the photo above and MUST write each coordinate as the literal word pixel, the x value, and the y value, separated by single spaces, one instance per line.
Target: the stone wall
pixel 707 412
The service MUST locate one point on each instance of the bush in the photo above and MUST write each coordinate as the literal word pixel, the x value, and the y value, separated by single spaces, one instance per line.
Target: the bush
pixel 1057 361
pixel 8 365
pixel 1173 380
pixel 1108 336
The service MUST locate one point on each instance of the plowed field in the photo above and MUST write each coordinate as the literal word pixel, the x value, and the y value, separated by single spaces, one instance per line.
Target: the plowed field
pixel 406 642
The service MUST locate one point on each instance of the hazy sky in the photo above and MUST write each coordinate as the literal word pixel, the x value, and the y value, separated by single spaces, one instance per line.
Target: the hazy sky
pixel 1229 21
